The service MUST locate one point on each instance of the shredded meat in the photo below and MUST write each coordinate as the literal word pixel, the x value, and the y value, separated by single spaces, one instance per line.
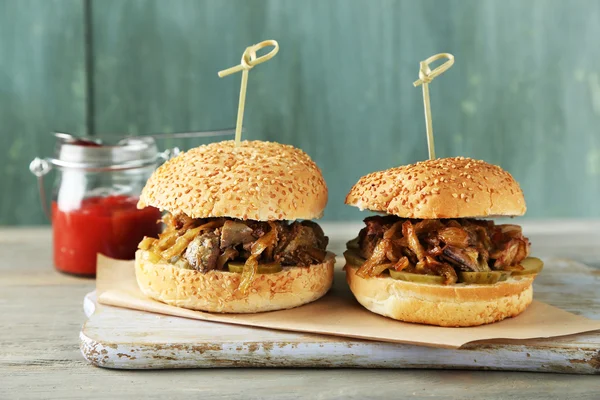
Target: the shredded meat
pixel 439 247
pixel 462 259
pixel 203 252
pixel 235 233
pixel 370 236
pixel 208 244
pixel 413 241
pixel 439 268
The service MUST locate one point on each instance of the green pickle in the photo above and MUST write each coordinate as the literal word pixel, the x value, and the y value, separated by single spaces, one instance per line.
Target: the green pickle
pixel 504 275
pixel 183 263
pixel 531 266
pixel 480 278
pixel 271 268
pixel 416 278
pixel 352 258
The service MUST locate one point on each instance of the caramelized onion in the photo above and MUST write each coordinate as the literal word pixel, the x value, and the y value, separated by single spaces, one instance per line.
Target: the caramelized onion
pixel 513 231
pixel 413 241
pixel 182 242
pixel 440 246
pixel 166 239
pixel 427 225
pixel 438 268
pixel 152 257
pixel 378 257
pixel 454 237
pixel 392 231
pixel 146 243
pixel 267 240
pixel 464 259
pixel 401 264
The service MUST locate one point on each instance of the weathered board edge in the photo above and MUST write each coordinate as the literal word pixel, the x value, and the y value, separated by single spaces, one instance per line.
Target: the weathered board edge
pixel 336 355
pixel 497 355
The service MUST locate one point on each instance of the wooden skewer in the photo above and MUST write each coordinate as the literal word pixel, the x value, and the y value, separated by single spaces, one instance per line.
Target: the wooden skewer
pixel 249 60
pixel 426 75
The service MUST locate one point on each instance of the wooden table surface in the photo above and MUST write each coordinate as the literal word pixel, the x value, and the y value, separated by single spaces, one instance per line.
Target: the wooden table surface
pixel 41 315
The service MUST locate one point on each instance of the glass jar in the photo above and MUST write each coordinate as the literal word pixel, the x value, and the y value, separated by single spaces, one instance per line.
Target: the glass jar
pixel 93 208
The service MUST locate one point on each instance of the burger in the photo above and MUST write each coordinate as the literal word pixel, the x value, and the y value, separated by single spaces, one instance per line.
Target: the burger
pixel 238 236
pixel 432 258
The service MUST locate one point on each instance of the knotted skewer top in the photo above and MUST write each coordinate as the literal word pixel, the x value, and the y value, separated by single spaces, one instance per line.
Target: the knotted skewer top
pixel 426 75
pixel 249 60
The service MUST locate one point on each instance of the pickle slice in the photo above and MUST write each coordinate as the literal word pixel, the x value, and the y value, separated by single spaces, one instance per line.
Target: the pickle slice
pixel 504 275
pixel 416 278
pixel 353 258
pixel 482 278
pixel 531 266
pixel 183 263
pixel 271 268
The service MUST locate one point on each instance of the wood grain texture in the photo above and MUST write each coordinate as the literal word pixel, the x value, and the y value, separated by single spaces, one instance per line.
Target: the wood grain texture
pixel 524 92
pixel 42 89
pixel 125 339
pixel 39 357
pixel 128 339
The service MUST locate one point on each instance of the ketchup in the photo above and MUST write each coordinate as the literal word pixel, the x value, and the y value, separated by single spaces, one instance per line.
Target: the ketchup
pixel 109 225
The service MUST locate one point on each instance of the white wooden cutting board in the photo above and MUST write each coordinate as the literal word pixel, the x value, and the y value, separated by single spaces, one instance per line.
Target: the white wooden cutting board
pixel 128 339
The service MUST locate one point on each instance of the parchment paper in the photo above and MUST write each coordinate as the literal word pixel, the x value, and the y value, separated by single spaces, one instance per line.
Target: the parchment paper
pixel 339 314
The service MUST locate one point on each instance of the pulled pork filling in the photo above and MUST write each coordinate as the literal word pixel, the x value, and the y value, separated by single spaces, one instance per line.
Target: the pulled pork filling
pixel 440 247
pixel 208 244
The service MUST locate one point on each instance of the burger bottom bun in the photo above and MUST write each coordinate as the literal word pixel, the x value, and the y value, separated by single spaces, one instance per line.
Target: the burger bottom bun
pixel 216 291
pixel 453 305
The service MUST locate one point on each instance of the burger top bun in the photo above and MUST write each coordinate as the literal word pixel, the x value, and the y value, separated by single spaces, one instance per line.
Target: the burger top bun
pixel 441 188
pixel 263 181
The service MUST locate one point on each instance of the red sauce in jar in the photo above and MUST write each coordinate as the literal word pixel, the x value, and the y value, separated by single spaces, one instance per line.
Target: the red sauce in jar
pixel 109 225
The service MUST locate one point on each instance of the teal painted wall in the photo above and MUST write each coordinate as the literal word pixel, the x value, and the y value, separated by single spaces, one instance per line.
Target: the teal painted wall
pixel 42 89
pixel 524 91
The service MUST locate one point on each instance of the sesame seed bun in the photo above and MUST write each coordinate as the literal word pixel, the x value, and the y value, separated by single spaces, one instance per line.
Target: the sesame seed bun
pixel 263 181
pixel 441 188
pixel 441 305
pixel 216 291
